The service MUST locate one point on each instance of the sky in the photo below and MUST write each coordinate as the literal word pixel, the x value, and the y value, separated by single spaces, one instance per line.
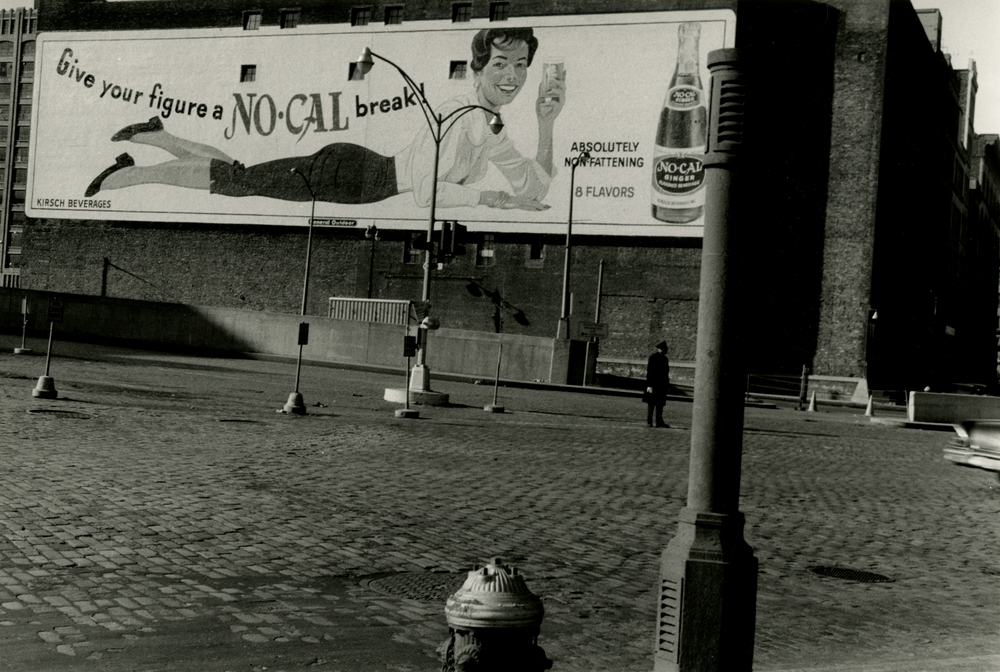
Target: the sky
pixel 969 30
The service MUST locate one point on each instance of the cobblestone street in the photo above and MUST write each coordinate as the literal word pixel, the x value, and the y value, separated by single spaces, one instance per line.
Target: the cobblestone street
pixel 161 515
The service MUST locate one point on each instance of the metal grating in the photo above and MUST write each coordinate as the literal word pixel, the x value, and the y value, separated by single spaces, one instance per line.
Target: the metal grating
pixel 851 574
pixel 65 415
pixel 422 586
pixel 670 607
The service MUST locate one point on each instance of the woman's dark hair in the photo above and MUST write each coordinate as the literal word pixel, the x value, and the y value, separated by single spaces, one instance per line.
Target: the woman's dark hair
pixel 484 40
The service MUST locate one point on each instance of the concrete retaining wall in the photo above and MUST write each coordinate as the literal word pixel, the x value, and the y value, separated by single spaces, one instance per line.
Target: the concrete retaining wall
pixel 951 408
pixel 148 323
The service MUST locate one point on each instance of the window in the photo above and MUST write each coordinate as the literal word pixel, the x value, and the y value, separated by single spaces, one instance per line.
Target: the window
pixel 3 132
pixel 31 26
pixel 20 176
pixel 6 27
pixel 393 16
pixel 461 12
pixel 248 73
pixel 536 251
pixel 5 112
pixel 4 90
pixel 6 49
pixel 21 155
pixel 17 197
pixel 28 69
pixel 6 71
pixel 28 49
pixel 23 112
pixel 251 20
pixel 290 18
pixel 485 251
pixel 361 16
pixel 22 134
pixel 26 90
pixel 13 261
pixel 499 11
pixel 458 70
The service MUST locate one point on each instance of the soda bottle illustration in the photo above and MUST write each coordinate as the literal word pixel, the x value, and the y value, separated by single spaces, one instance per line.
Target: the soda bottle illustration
pixel 681 137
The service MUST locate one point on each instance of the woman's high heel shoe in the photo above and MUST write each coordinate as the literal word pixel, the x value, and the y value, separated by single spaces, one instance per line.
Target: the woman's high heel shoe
pixel 122 161
pixel 154 124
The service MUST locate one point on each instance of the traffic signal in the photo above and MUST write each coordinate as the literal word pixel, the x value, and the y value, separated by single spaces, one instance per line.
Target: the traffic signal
pixel 445 240
pixel 458 236
pixel 409 346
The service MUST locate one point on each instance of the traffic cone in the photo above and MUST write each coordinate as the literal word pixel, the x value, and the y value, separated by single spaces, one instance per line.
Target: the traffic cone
pixel 870 411
pixel 812 402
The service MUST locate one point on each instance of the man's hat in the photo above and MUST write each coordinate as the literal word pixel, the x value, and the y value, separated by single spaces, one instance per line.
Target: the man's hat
pixel 662 345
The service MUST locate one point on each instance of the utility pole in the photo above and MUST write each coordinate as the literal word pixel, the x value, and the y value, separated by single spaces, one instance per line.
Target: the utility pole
pixel 708 574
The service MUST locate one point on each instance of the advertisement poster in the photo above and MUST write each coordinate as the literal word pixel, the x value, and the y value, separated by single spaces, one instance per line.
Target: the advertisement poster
pixel 259 127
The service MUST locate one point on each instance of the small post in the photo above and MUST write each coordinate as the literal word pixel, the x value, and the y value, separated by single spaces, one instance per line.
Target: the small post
pixel 46 388
pixel 803 386
pixel 406 411
pixel 494 408
pixel 25 312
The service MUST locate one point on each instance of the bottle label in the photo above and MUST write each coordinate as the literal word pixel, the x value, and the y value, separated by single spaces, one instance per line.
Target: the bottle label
pixel 676 176
pixel 683 97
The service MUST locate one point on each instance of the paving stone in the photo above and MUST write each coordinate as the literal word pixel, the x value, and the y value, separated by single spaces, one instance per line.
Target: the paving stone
pixel 193 518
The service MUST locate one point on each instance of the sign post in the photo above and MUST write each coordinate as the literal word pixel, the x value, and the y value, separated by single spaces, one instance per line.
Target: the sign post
pixel 409 350
pixel 25 312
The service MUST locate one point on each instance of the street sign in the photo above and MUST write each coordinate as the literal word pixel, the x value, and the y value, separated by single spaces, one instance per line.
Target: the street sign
pixel 593 330
pixel 334 222
pixel 55 310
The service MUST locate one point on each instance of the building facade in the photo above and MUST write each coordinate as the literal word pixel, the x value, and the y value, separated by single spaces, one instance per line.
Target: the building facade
pixel 860 254
pixel 17 70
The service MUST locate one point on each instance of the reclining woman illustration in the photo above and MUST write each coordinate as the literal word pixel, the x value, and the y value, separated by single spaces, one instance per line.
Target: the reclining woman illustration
pixel 352 174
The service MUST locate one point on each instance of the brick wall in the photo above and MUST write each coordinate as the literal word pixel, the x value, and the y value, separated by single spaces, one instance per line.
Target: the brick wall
pixel 808 212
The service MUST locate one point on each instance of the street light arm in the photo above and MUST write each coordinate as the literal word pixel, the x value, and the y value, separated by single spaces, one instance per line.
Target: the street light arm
pixel 305 182
pixel 495 124
pixel 425 105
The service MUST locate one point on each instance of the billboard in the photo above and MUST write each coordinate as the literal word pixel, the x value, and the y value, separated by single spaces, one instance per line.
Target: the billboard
pixel 260 127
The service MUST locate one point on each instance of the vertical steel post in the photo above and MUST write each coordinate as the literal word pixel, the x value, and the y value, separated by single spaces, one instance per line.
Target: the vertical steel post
pixel 48 350
pixel 708 574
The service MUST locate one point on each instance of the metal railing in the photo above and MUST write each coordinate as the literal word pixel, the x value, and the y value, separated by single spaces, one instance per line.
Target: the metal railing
pixel 380 311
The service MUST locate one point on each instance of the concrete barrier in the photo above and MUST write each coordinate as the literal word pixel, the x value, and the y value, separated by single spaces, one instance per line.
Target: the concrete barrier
pixel 202 328
pixel 951 408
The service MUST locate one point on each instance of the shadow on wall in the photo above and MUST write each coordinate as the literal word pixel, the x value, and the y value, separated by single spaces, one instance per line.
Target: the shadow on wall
pixel 791 52
pixel 109 267
pixel 122 321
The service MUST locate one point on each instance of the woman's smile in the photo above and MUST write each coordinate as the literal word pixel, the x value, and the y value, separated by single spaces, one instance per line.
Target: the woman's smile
pixel 504 75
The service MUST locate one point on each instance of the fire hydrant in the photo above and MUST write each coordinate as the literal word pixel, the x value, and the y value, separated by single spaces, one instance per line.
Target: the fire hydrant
pixel 493 624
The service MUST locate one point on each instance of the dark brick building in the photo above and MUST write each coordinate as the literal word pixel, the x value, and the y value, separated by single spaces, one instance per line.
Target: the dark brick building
pixel 860 254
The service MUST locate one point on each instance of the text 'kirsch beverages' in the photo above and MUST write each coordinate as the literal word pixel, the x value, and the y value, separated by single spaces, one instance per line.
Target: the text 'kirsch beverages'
pixel 681 137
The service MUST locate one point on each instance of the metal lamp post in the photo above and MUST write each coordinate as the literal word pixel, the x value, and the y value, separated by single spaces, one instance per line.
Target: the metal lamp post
pixel 563 330
pixel 371 233
pixel 439 126
pixel 295 404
